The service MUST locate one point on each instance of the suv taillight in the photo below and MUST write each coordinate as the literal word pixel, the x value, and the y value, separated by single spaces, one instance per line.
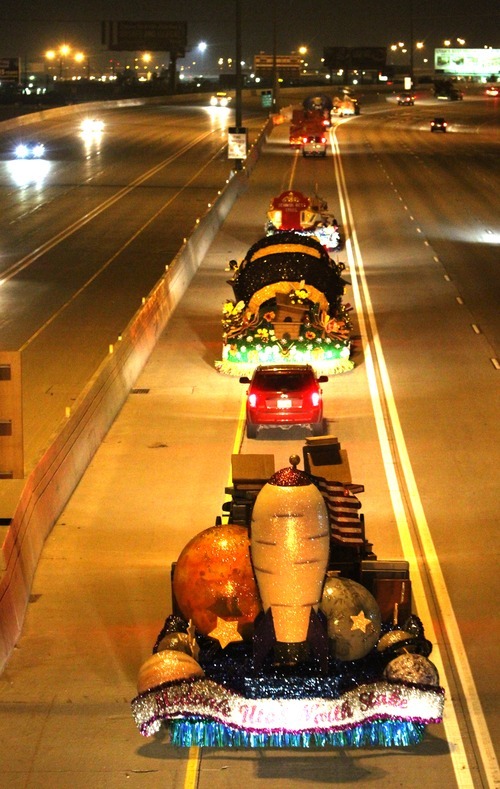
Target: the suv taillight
pixel 252 400
pixel 316 398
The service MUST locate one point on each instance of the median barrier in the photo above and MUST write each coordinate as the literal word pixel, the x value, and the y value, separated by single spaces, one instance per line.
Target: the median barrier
pixel 51 483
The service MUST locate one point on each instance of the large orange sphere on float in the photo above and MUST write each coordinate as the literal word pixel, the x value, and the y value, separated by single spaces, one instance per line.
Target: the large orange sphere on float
pixel 214 578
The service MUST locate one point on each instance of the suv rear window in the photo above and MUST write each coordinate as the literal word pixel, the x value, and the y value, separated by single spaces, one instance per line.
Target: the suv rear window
pixel 276 382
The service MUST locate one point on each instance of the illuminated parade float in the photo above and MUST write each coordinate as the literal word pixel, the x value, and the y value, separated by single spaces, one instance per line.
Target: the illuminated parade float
pixel 288 290
pixel 286 630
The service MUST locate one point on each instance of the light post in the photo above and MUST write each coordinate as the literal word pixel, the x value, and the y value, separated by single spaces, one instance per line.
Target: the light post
pixel 79 58
pixel 146 60
pixel 61 55
pixel 275 59
pixel 64 51
pixel 202 48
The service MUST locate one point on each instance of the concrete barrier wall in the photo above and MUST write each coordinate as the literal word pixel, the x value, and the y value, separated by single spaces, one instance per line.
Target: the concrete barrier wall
pixel 51 483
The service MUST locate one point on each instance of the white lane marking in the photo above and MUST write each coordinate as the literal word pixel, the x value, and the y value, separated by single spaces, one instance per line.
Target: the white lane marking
pixel 459 759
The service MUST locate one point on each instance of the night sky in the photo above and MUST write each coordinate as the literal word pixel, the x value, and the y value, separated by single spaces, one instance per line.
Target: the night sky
pixel 29 27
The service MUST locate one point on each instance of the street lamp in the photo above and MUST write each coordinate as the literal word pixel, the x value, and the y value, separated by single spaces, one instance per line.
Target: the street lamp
pixel 62 54
pixel 202 48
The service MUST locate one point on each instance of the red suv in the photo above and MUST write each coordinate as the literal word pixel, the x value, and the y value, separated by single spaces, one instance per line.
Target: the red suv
pixel 284 395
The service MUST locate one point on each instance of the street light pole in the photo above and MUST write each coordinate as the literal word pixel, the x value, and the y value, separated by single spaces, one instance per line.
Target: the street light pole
pixel 275 59
pixel 411 44
pixel 238 113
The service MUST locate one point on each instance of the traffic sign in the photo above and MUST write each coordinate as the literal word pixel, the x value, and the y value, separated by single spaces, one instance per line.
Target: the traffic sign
pixel 237 142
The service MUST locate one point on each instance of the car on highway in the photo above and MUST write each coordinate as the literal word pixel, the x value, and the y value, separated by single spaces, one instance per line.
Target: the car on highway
pixel 220 99
pixel 449 94
pixel 92 126
pixel 406 99
pixel 30 150
pixel 283 396
pixel 492 90
pixel 314 145
pixel 438 124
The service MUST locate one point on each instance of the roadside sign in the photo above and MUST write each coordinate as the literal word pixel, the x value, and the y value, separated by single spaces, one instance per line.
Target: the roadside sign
pixel 237 142
pixel 9 70
pixel 266 97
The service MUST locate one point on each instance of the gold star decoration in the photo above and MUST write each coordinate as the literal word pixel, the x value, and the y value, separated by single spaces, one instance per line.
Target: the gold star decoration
pixel 360 622
pixel 226 632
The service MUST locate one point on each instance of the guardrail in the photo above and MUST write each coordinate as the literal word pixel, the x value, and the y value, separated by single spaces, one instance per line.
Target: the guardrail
pixel 50 485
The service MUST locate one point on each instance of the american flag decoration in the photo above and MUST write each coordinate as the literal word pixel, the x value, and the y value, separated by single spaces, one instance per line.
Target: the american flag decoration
pixel 342 504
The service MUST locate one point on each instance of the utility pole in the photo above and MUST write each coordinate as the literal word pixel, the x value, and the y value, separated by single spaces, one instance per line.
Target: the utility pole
pixel 411 44
pixel 238 116
pixel 275 60
pixel 238 165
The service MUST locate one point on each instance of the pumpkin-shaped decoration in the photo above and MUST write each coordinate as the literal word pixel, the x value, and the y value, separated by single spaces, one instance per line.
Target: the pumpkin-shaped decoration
pixel 353 618
pixel 167 666
pixel 214 580
pixel 395 641
pixel 413 668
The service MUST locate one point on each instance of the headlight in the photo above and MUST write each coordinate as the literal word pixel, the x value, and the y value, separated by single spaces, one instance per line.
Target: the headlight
pixel 22 151
pixel 38 150
pixel 91 125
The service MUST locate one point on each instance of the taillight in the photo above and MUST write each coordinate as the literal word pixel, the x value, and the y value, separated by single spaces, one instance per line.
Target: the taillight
pixel 316 398
pixel 323 139
pixel 304 139
pixel 252 400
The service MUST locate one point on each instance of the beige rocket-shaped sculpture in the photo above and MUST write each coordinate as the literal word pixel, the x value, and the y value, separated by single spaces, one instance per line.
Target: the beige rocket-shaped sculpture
pixel 290 539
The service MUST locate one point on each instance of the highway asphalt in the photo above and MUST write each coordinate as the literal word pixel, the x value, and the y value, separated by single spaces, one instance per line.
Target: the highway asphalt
pixel 102 589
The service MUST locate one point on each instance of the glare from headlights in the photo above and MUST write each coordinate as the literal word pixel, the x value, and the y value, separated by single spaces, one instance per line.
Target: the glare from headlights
pixel 23 151
pixel 91 125
pixel 24 172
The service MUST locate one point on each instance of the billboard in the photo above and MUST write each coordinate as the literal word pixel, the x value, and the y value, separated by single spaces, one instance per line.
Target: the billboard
pixel 145 36
pixel 467 62
pixel 9 70
pixel 285 64
pixel 361 58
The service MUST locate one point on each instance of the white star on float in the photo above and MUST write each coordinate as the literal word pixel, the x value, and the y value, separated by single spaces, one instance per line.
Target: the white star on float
pixel 226 632
pixel 360 622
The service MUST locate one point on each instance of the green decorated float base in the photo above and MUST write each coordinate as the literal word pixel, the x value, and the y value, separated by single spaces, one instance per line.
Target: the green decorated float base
pixel 328 359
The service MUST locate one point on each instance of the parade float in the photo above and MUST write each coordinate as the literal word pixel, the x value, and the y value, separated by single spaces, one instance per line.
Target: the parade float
pixel 287 308
pixel 309 216
pixel 279 636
